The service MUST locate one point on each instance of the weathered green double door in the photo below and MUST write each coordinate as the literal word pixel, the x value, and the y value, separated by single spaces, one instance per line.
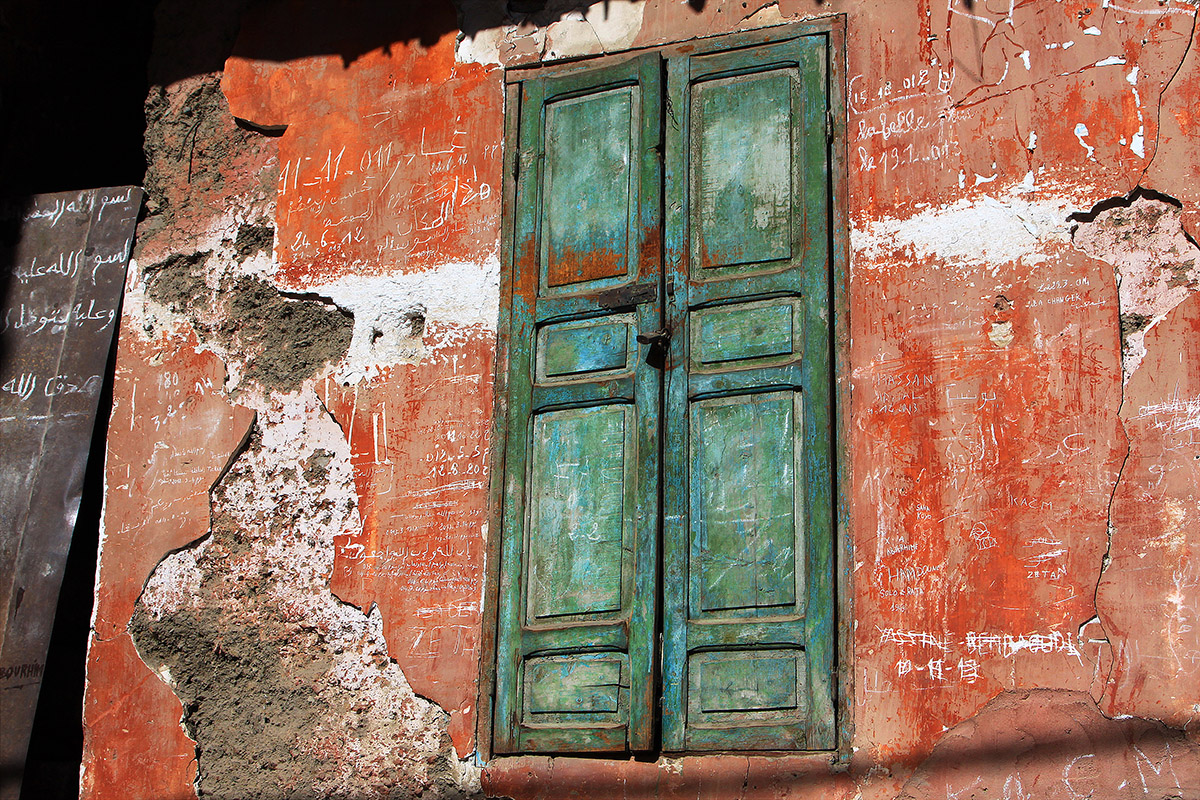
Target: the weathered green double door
pixel 667 577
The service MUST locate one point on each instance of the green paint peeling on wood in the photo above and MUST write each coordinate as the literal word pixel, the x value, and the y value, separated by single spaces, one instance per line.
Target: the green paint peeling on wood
pixel 742 449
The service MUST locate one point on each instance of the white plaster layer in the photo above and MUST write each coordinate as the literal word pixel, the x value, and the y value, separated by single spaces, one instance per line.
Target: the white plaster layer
pixel 175 583
pixel 483 47
pixel 986 231
pixel 386 309
pixel 604 27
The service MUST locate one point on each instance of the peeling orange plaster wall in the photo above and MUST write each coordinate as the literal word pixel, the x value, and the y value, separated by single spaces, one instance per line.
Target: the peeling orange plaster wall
pixel 990 419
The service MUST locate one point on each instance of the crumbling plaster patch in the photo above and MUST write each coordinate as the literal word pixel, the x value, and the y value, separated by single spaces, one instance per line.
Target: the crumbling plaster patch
pixel 286 688
pixel 264 336
pixel 1147 596
pixel 171 436
pixel 195 151
pixel 1157 265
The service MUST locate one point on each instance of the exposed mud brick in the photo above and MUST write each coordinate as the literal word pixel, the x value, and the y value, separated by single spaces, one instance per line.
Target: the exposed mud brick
pixel 1149 597
pixel 285 340
pixel 373 179
pixel 419 441
pixel 157 501
pixel 252 239
pixel 203 171
pixel 276 340
pixel 1056 745
pixel 178 282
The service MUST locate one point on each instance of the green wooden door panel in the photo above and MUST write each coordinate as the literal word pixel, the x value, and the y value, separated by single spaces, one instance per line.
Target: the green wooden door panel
pixel 748 699
pixel 745 528
pixel 746 681
pixel 589 185
pixel 701 205
pixel 571 688
pixel 575 629
pixel 748 587
pixel 586 347
pixel 742 169
pixel 744 332
pixel 580 520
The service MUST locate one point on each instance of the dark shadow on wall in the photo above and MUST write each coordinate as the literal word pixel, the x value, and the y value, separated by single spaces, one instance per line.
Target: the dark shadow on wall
pixel 74 75
pixel 352 29
pixel 72 83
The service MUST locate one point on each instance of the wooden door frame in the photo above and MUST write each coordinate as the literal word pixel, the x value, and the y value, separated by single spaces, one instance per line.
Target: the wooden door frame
pixel 834 26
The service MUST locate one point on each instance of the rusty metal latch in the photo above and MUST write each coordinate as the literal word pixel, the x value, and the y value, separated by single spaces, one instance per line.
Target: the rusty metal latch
pixel 658 338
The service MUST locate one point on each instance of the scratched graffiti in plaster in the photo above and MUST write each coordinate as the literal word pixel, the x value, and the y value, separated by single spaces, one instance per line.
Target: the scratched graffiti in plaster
pixel 363 213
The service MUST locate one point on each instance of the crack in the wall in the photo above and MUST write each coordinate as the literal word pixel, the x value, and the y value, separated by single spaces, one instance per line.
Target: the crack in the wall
pixel 1031 85
pixel 592 28
pixel 1166 86
pixel 750 14
pixel 1141 236
pixel 966 102
pixel 1108 532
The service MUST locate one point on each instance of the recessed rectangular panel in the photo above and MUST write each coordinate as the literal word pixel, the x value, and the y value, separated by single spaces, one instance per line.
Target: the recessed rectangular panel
pixel 579 509
pixel 588 187
pixel 741 332
pixel 745 531
pixel 586 347
pixel 751 699
pixel 746 681
pixel 742 169
pixel 577 684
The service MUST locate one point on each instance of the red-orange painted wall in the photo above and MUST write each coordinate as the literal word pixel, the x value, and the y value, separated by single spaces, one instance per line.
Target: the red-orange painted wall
pixel 1023 511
